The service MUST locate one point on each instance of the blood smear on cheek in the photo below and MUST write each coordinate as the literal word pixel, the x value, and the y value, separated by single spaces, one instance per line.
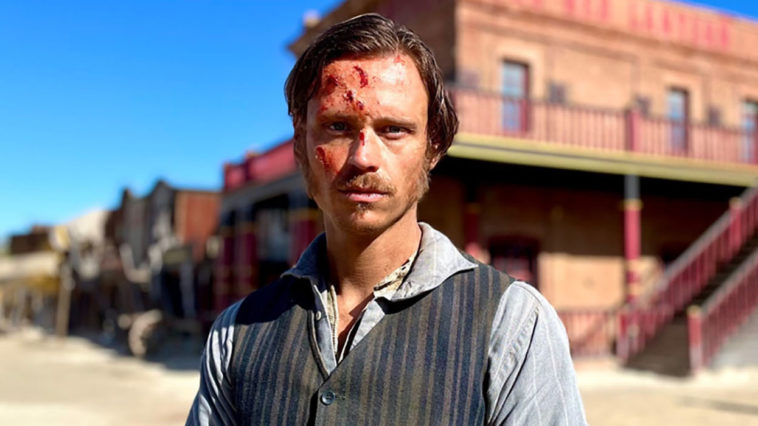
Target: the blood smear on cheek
pixel 349 96
pixel 326 159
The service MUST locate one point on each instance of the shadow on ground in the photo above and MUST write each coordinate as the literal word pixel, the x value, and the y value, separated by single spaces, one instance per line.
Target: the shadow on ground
pixel 729 406
pixel 178 351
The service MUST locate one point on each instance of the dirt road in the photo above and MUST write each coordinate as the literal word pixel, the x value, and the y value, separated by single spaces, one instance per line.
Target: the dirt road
pixel 46 381
pixel 621 397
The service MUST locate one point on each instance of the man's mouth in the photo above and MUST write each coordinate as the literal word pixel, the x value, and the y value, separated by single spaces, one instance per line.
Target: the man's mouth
pixel 363 195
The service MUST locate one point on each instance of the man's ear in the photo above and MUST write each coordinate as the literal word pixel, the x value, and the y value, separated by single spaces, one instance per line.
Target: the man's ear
pixel 433 157
pixel 434 160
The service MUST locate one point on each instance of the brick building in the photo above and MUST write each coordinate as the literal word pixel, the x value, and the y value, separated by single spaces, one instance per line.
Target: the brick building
pixel 599 139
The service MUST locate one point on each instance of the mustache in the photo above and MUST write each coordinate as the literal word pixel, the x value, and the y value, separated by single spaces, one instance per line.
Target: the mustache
pixel 368 182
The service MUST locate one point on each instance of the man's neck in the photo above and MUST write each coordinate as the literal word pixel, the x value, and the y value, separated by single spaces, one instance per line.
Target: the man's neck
pixel 357 262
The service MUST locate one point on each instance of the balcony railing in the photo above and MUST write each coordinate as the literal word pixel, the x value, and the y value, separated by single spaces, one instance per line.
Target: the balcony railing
pixel 591 332
pixel 272 164
pixel 600 129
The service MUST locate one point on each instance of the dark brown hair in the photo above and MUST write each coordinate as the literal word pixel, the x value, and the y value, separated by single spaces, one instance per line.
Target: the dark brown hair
pixel 366 36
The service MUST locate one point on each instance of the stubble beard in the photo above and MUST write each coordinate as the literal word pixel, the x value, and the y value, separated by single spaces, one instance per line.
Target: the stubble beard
pixel 418 191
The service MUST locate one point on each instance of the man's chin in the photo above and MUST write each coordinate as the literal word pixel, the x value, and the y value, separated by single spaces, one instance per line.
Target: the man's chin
pixel 370 220
pixel 365 221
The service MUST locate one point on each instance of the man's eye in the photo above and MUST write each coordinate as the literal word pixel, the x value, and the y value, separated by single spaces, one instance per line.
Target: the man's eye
pixel 338 126
pixel 395 130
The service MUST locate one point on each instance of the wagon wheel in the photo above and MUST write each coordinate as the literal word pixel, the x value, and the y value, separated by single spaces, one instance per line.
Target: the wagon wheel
pixel 144 333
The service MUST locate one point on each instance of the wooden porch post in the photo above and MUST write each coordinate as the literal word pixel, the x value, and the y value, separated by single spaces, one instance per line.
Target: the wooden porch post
pixel 303 220
pixel 695 332
pixel 632 207
pixel 247 279
pixel 632 129
pixel 222 287
pixel 471 214
pixel 472 211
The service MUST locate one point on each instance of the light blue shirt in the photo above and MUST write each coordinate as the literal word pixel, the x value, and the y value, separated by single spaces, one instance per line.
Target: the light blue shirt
pixel 530 376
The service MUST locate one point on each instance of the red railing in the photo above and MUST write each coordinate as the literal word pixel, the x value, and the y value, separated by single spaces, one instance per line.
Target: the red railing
pixel 723 313
pixel 591 332
pixel 599 129
pixel 640 320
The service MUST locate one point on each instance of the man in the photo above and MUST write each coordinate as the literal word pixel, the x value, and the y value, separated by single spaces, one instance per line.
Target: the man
pixel 382 320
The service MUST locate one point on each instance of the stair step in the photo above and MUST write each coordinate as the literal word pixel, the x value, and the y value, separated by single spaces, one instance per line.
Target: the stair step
pixel 667 353
pixel 741 348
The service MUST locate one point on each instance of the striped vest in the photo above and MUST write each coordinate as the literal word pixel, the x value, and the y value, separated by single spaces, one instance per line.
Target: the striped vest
pixel 425 362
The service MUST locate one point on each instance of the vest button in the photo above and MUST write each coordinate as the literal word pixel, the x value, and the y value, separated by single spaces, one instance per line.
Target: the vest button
pixel 327 397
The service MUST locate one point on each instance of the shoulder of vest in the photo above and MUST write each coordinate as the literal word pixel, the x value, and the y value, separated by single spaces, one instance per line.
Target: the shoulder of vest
pixel 488 272
pixel 271 301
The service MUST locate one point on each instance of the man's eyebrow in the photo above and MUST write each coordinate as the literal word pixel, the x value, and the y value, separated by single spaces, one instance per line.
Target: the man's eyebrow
pixel 396 121
pixel 334 116
pixel 389 120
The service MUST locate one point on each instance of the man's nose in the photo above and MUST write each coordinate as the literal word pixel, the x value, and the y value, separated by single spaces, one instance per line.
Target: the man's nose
pixel 366 151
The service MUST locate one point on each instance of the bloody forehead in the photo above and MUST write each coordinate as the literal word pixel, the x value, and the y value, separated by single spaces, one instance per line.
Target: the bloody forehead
pixel 329 80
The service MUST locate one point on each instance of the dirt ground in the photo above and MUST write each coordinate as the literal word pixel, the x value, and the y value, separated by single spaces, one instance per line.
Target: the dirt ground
pixel 620 397
pixel 49 381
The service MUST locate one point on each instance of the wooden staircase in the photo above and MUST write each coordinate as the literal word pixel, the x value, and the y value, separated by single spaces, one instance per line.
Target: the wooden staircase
pixel 666 330
pixel 741 348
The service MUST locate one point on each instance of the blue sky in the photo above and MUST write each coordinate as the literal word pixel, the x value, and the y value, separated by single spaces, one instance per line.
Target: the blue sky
pixel 99 95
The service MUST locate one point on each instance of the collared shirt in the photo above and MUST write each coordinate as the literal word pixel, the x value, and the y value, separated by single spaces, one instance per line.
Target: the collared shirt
pixel 531 378
pixel 328 294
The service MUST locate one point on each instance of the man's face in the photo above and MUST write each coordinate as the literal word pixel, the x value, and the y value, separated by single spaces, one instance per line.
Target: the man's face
pixel 366 142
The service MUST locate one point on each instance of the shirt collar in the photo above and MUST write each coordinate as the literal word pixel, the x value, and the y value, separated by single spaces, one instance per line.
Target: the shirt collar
pixel 437 260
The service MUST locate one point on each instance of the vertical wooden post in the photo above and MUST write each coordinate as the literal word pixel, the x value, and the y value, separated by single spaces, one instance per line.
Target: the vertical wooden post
pixel 622 341
pixel 63 311
pixel 303 220
pixel 524 106
pixel 222 286
pixel 471 214
pixel 735 222
pixel 632 130
pixel 632 206
pixel 695 332
pixel 248 267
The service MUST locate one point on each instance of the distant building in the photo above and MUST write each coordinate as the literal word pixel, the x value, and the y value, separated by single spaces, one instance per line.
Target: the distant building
pixel 29 278
pixel 157 256
pixel 599 139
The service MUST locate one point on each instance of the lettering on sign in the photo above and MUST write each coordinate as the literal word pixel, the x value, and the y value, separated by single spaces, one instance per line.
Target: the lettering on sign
pixel 679 25
pixel 644 17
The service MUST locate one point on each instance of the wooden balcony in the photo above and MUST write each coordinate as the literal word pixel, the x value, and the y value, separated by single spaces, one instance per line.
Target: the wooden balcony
pixel 539 133
pixel 258 168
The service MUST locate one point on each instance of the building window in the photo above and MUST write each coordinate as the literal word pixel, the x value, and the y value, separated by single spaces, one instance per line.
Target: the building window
pixel 678 115
pixel 515 91
pixel 749 121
